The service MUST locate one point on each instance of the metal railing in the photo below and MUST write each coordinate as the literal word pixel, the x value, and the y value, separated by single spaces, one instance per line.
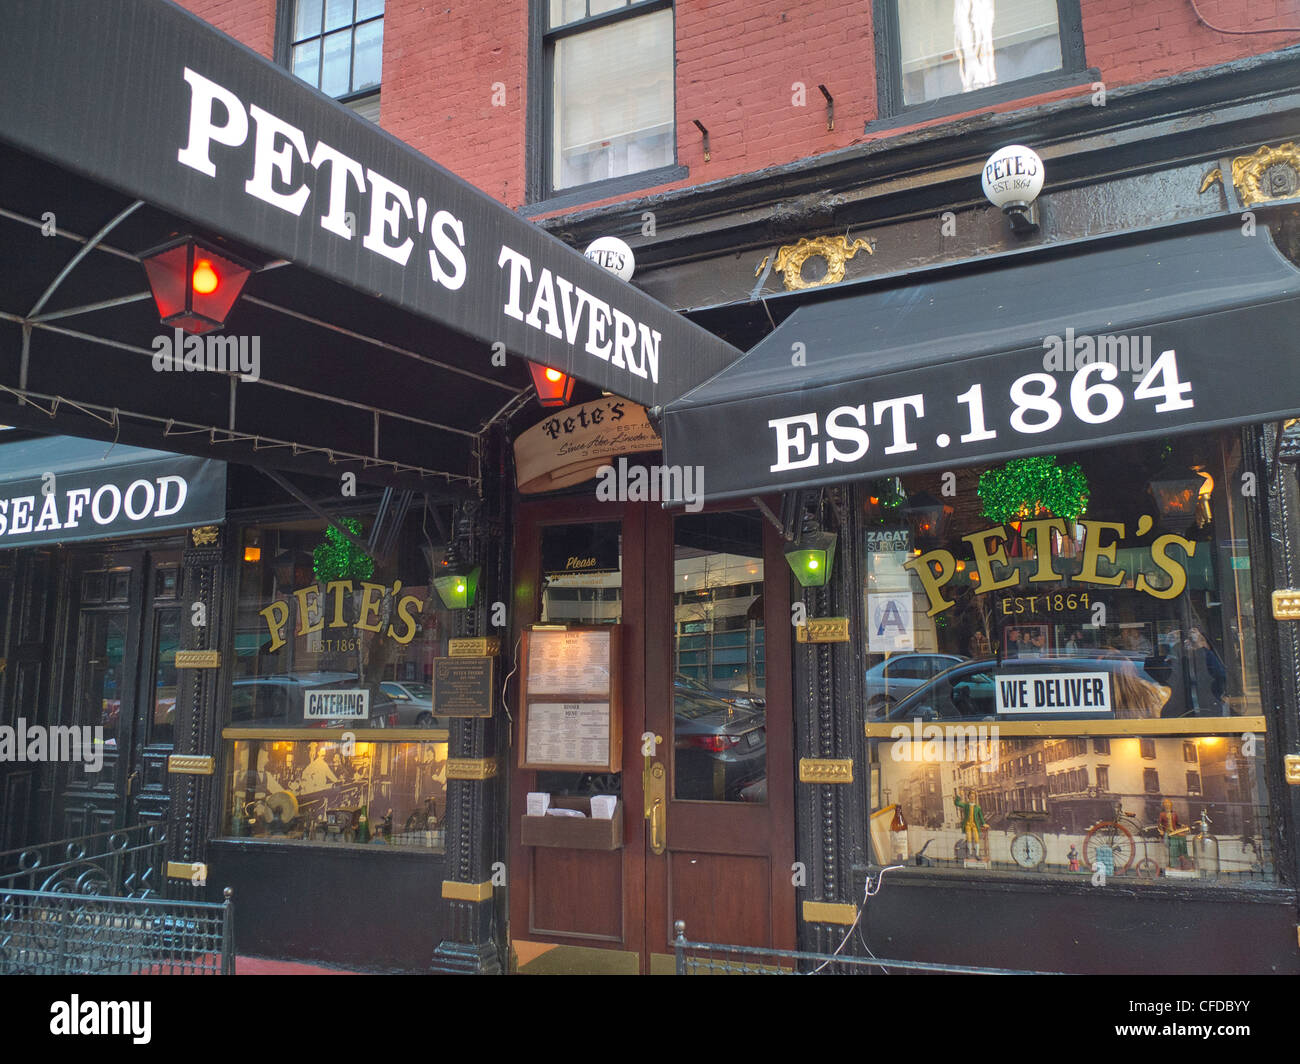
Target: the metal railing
pixel 127 862
pixel 712 958
pixel 53 933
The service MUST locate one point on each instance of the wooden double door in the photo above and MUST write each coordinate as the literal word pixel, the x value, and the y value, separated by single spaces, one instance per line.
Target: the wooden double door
pixel 703 601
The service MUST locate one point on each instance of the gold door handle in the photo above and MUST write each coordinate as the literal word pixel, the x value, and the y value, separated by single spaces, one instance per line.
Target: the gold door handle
pixel 649 759
pixel 657 800
pixel 130 783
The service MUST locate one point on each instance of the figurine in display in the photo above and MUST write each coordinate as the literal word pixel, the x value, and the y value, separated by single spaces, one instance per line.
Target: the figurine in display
pixel 1175 835
pixel 1073 858
pixel 972 821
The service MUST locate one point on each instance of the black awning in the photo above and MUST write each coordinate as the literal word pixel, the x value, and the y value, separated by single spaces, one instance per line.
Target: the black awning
pixel 1122 341
pixel 57 489
pixel 385 285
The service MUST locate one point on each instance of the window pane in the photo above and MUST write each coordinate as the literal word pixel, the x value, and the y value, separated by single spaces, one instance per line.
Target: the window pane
pixel 599 7
pixel 306 62
pixel 167 636
pixel 337 13
pixel 369 9
pixel 338 56
pixel 627 126
pixel 565 11
pixel 954 46
pixel 368 53
pixel 719 694
pixel 1056 806
pixel 308 20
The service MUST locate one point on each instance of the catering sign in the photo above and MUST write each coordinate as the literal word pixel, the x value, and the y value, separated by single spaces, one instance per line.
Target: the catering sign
pixel 336 704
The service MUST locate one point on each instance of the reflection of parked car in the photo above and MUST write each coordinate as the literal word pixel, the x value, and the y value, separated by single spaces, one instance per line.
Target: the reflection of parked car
pixel 264 701
pixel 721 749
pixel 414 704
pixel 969 690
pixel 743 699
pixel 892 680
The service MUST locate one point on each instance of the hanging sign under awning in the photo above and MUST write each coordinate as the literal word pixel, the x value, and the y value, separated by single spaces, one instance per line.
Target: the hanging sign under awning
pixel 59 490
pixel 571 445
pixel 1119 341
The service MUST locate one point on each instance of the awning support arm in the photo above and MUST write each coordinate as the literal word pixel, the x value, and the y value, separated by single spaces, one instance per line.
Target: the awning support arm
pixel 81 254
pixel 766 511
pixel 303 498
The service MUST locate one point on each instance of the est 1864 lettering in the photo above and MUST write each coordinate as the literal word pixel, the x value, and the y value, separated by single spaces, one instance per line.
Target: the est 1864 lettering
pixel 1057 602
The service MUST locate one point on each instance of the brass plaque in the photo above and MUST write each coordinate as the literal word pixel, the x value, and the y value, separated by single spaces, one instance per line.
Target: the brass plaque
pixel 823 630
pixel 825 770
pixel 191 871
pixel 466 891
pixel 471 768
pixel 829 912
pixel 198 659
pixel 1291 763
pixel 462 687
pixel 477 647
pixel 1286 604
pixel 204 536
pixel 190 764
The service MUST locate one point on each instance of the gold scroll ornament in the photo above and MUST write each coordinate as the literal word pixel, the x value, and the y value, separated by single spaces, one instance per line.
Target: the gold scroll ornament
pixel 836 250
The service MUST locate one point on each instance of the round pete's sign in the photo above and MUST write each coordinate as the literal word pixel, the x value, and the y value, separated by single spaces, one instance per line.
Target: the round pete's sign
pixel 571 445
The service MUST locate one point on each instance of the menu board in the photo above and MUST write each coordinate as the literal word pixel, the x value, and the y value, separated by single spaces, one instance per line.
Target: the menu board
pixel 567 733
pixel 572 714
pixel 569 662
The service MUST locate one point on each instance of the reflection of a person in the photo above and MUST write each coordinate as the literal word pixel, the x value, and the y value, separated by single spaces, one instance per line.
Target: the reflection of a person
pixel 318 776
pixel 1207 679
pixel 1131 694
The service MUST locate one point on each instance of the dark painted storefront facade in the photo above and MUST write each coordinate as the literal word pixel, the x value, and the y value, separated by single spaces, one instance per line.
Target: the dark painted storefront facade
pixel 266 803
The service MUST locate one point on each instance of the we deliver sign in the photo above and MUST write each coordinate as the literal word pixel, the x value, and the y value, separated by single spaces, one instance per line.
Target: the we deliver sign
pixel 1054 693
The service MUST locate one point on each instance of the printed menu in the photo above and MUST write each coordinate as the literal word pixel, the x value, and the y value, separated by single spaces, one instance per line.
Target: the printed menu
pixel 568 662
pixel 567 733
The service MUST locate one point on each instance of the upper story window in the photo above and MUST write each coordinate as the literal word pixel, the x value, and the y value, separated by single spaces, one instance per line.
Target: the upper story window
pixel 336 46
pixel 607 91
pixel 929 50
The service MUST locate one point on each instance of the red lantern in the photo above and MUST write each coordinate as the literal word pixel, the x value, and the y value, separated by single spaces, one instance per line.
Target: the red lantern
pixel 554 388
pixel 194 286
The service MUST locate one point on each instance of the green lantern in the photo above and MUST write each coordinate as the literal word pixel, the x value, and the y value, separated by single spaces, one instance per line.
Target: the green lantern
pixel 456 585
pixel 811 557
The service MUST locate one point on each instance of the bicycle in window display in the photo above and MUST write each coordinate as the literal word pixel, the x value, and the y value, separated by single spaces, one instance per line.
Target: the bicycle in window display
pixel 1118 834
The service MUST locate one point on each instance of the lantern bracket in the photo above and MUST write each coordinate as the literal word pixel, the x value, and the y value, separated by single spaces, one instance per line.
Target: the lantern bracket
pixel 82 252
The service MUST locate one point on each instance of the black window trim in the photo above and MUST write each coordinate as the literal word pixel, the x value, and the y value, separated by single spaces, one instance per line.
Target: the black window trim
pixel 539 196
pixel 282 51
pixel 891 111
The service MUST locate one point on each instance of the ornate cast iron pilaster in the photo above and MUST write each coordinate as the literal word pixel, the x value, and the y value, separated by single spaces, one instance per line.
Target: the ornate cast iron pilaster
pixel 828 725
pixel 195 796
pixel 473 833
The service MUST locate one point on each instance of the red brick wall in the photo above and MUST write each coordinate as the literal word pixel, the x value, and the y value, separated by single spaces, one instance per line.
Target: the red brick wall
pixel 251 22
pixel 739 63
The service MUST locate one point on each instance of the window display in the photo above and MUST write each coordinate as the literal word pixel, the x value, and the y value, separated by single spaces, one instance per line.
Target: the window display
pixel 329 637
pixel 1062 670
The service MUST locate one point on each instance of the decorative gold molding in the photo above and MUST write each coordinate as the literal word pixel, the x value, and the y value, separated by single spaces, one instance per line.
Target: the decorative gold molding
pixel 204 536
pixel 826 770
pixel 190 871
pixel 198 659
pixel 471 768
pixel 466 891
pixel 190 764
pixel 486 646
pixel 1291 764
pixel 823 630
pixel 829 912
pixel 1189 726
pixel 836 250
pixel 1286 604
pixel 1269 174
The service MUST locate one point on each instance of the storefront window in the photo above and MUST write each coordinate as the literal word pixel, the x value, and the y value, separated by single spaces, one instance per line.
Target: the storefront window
pixel 1061 648
pixel 333 734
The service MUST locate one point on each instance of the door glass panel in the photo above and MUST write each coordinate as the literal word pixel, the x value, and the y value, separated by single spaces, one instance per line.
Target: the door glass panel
pixel 167 637
pixel 582 583
pixel 719 691
pixel 103 682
